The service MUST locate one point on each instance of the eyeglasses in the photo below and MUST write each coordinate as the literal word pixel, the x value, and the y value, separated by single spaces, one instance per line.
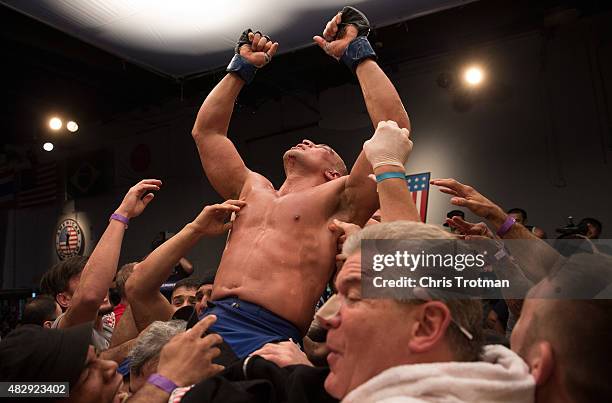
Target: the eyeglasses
pixel 421 293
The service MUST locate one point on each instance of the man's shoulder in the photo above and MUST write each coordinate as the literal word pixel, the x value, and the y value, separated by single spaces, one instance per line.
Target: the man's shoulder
pixel 256 179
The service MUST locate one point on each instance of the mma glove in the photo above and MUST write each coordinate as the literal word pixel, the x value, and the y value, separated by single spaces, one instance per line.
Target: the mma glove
pixel 239 64
pixel 359 49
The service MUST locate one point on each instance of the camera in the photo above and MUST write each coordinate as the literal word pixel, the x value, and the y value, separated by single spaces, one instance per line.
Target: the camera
pixel 572 228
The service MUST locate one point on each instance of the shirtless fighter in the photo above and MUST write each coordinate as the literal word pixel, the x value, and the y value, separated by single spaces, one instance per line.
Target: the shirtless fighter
pixel 281 253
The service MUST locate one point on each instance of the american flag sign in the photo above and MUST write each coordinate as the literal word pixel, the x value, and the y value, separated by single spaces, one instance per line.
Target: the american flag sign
pixel 418 184
pixel 69 239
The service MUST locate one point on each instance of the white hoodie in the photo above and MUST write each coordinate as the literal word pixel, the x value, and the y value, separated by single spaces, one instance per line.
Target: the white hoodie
pixel 501 376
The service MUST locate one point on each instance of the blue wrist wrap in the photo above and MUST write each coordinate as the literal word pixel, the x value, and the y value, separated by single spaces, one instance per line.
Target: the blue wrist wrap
pixel 244 69
pixel 357 51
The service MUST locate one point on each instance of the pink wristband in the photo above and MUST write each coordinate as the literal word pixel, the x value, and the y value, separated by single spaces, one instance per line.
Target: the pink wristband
pixel 120 218
pixel 506 226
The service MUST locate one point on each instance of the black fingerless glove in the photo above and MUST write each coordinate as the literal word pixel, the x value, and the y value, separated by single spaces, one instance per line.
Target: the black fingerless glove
pixel 359 49
pixel 239 64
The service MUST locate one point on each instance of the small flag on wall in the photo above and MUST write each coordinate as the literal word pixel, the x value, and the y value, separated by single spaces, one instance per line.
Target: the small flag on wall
pixel 419 189
pixel 38 185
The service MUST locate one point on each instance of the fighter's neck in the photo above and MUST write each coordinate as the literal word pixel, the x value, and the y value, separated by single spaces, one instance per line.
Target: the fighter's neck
pixel 297 182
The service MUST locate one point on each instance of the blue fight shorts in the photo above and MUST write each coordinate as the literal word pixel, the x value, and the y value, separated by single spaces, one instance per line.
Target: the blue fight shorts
pixel 246 326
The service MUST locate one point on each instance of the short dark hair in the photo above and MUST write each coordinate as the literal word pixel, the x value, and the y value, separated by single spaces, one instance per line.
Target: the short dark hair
pixel 593 221
pixel 56 279
pixel 189 283
pixel 39 310
pixel 122 277
pixel 584 364
pixel 520 211
pixel 207 279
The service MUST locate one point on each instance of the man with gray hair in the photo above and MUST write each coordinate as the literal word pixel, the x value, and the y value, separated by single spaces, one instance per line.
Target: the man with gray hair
pixel 145 353
pixel 375 343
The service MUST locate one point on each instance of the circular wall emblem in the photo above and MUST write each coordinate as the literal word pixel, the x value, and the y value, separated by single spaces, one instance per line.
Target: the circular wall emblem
pixel 68 239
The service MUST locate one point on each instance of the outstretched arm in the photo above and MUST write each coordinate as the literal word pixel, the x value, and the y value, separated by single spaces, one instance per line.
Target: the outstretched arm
pixel 382 101
pixel 142 288
pixel 536 258
pixel 222 164
pixel 101 267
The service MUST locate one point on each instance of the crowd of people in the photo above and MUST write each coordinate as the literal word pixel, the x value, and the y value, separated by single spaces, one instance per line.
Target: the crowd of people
pixel 256 332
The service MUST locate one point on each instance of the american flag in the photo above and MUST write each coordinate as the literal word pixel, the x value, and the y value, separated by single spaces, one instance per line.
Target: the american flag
pixel 38 186
pixel 68 239
pixel 419 189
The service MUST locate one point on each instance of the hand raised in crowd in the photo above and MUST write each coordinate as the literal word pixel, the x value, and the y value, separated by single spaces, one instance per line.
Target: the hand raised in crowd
pixel 467 196
pixel 259 49
pixel 213 220
pixel 134 203
pixel 390 145
pixel 283 354
pixel 187 358
pixel 335 40
pixel 470 230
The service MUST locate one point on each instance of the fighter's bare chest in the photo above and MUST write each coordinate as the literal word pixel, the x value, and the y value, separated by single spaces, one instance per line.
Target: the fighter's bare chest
pixel 304 208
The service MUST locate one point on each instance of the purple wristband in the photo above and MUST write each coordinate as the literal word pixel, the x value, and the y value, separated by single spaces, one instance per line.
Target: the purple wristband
pixel 120 218
pixel 162 382
pixel 506 226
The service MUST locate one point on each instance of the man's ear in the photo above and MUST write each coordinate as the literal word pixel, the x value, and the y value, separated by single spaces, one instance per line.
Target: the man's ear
pixel 47 324
pixel 331 174
pixel 63 300
pixel 541 361
pixel 430 323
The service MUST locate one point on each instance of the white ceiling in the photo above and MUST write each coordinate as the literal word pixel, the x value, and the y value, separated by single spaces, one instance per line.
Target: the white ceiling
pixel 183 37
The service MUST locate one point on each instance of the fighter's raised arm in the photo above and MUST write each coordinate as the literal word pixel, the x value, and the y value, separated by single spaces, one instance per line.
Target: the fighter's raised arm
pixel 345 39
pixel 222 164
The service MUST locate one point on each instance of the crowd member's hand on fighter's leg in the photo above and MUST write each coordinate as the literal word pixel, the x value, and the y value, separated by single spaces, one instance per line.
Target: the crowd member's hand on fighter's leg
pixel 142 288
pixel 283 354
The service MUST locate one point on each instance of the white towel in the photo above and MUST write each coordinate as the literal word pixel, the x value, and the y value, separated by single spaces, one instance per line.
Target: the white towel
pixel 501 376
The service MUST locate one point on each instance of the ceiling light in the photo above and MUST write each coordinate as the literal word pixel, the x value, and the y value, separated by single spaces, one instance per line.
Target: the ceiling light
pixel 48 146
pixel 55 123
pixel 473 75
pixel 72 126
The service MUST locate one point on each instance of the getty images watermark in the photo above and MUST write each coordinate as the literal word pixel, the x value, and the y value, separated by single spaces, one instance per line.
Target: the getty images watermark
pixel 486 268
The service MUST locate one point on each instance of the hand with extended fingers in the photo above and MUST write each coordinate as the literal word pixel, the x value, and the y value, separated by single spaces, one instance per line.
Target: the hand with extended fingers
pixel 257 48
pixel 467 196
pixel 336 37
pixel 138 197
pixel 213 220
